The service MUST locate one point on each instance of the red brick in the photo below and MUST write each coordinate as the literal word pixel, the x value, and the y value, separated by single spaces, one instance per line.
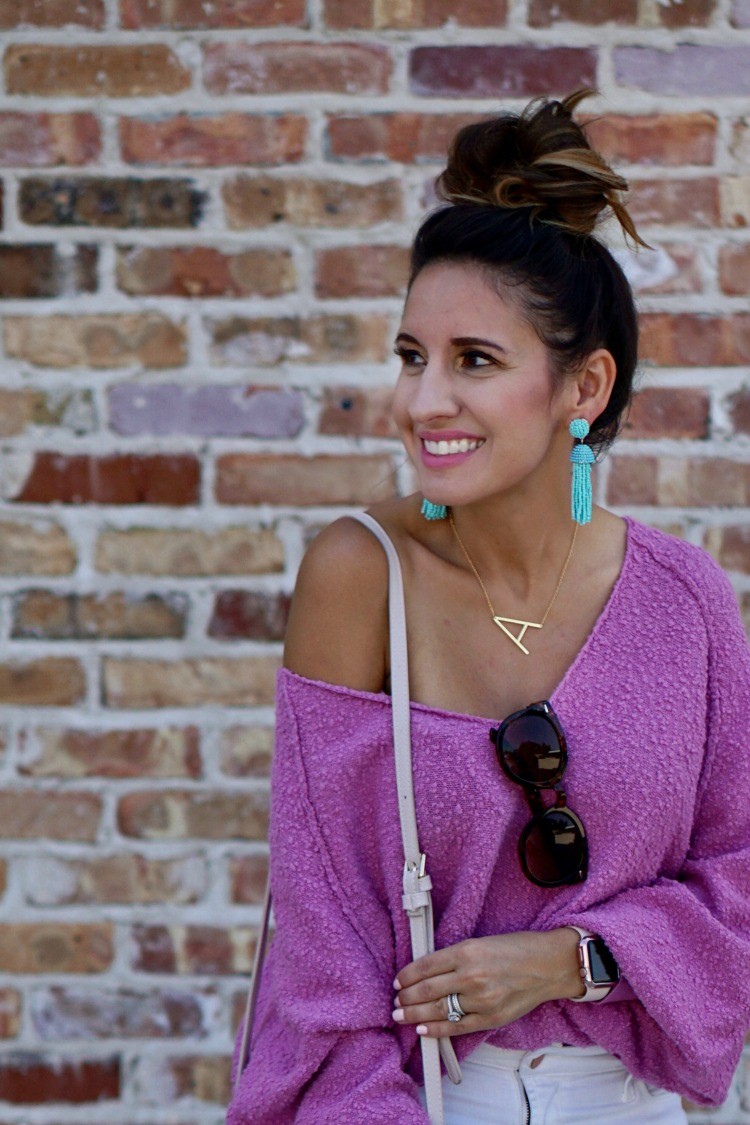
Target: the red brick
pixel 126 478
pixel 106 201
pixel 123 878
pixel 669 412
pixel 406 14
pixel 43 140
pixel 239 614
pixel 178 814
pixel 203 271
pixel 246 751
pixel 739 410
pixel 263 200
pixel 40 270
pixel 659 138
pixel 172 551
pixel 248 875
pixel 187 15
pixel 693 202
pixel 247 478
pixel 686 13
pixel 166 1079
pixel 274 68
pixel 192 949
pixel 10 1017
pixel 549 13
pixel 203 141
pixel 26 814
pixel 18 410
pixel 695 339
pixel 211 681
pixel 46 682
pixel 361 271
pixel 223 410
pixel 267 341
pixel 76 1013
pixel 405 137
pixel 684 273
pixel 679 482
pixel 97 71
pixel 100 341
pixel 730 546
pixel 509 71
pixel 44 613
pixel 52 13
pixel 734 268
pixel 28 1078
pixel 143 752
pixel 56 947
pixel 357 412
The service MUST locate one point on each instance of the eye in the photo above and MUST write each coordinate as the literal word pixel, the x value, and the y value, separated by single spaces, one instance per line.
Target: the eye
pixel 477 360
pixel 408 356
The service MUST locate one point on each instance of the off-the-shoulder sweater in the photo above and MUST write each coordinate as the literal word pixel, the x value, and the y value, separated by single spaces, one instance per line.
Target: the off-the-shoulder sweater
pixel 656 713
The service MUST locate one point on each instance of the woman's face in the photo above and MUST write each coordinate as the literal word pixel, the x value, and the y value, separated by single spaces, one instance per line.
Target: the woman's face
pixel 474 375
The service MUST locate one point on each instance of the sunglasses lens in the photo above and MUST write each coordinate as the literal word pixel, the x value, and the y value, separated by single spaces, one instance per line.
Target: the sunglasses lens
pixel 531 750
pixel 553 848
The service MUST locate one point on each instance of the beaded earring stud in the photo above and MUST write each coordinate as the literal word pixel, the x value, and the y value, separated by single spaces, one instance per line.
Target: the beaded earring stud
pixel 432 511
pixel 582 457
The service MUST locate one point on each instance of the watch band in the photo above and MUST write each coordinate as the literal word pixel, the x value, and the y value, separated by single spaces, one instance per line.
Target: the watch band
pixel 594 990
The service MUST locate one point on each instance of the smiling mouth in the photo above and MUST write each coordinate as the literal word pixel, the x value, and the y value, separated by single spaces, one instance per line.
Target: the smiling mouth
pixel 445 448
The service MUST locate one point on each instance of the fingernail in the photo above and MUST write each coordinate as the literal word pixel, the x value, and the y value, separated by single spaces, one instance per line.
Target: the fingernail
pixel 397 1003
pixel 421 1029
pixel 398 1015
pixel 396 985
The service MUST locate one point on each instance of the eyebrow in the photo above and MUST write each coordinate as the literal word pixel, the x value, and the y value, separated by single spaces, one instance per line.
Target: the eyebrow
pixel 460 341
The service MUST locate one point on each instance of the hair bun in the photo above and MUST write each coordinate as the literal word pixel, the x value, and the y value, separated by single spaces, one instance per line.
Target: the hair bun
pixel 538 159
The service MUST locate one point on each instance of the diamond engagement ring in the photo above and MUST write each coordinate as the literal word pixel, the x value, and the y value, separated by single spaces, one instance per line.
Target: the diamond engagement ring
pixel 455 1011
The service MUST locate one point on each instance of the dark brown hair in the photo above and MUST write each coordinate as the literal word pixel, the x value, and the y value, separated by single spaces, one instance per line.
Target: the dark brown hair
pixel 525 193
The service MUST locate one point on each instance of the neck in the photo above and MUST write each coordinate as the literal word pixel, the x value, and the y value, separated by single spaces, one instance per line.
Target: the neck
pixel 515 552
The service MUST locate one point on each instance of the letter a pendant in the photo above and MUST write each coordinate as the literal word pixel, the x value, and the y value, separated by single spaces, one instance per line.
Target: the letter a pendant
pixel 499 621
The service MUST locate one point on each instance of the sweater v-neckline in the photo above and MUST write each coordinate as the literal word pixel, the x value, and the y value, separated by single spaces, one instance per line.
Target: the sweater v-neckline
pixel 384 698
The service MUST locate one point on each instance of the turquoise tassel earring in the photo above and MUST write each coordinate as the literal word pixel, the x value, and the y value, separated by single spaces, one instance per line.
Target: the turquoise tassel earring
pixel 582 457
pixel 432 511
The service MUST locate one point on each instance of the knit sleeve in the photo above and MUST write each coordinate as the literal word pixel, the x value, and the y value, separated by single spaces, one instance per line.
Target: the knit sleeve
pixel 683 943
pixel 324 1047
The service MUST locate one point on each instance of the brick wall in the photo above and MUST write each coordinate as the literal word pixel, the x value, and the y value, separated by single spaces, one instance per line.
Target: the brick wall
pixel 207 208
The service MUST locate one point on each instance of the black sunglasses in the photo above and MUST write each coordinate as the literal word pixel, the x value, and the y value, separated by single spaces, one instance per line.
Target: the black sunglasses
pixel 531 749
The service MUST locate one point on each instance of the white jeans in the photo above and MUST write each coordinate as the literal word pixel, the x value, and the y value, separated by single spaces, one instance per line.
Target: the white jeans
pixel 569 1086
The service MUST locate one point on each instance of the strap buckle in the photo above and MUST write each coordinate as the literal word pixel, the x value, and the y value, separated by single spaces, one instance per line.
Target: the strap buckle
pixel 417 886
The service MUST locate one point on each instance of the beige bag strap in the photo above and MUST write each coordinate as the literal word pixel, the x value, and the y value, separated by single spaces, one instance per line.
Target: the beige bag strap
pixel 416 898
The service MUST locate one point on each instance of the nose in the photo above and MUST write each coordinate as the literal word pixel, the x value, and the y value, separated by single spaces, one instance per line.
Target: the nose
pixel 434 396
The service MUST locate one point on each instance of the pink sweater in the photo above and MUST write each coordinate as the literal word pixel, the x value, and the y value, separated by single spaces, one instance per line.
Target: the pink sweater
pixel 656 710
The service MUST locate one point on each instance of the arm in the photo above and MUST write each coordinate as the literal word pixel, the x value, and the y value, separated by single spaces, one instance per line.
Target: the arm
pixel 683 943
pixel 324 1047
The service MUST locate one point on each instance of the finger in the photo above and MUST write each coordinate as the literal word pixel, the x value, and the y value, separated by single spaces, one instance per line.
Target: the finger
pixel 428 990
pixel 437 1010
pixel 436 1029
pixel 432 964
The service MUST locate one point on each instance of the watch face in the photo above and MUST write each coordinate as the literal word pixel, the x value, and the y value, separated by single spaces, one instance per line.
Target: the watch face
pixel 604 968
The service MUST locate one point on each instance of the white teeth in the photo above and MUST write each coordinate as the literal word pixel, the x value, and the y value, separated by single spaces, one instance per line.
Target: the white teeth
pixel 441 448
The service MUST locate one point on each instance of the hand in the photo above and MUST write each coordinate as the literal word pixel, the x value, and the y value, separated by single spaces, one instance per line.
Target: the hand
pixel 498 979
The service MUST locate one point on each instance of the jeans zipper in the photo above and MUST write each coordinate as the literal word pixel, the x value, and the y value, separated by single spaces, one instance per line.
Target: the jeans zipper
pixel 527 1107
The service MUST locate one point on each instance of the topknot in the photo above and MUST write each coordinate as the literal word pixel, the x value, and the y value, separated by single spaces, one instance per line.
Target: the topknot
pixel 539 159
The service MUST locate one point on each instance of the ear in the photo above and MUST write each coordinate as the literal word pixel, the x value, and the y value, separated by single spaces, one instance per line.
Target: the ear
pixel 592 386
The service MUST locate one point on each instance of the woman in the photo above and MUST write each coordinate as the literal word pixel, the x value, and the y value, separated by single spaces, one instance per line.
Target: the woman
pixel 597 633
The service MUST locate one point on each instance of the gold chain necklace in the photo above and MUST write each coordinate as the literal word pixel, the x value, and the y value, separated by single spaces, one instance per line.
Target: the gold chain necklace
pixel 501 621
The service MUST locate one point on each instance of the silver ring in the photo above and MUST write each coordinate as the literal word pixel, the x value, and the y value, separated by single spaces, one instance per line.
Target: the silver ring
pixel 455 1011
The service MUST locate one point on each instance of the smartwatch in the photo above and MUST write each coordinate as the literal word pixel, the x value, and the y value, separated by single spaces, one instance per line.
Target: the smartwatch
pixel 597 967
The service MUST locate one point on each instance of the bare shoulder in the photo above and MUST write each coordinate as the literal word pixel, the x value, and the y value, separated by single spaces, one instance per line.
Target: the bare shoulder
pixel 338 629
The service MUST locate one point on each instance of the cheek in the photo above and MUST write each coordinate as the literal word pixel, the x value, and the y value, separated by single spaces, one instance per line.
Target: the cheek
pixel 400 404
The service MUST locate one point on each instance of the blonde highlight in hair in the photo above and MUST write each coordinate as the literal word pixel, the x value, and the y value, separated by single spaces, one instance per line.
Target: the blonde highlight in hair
pixel 540 160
